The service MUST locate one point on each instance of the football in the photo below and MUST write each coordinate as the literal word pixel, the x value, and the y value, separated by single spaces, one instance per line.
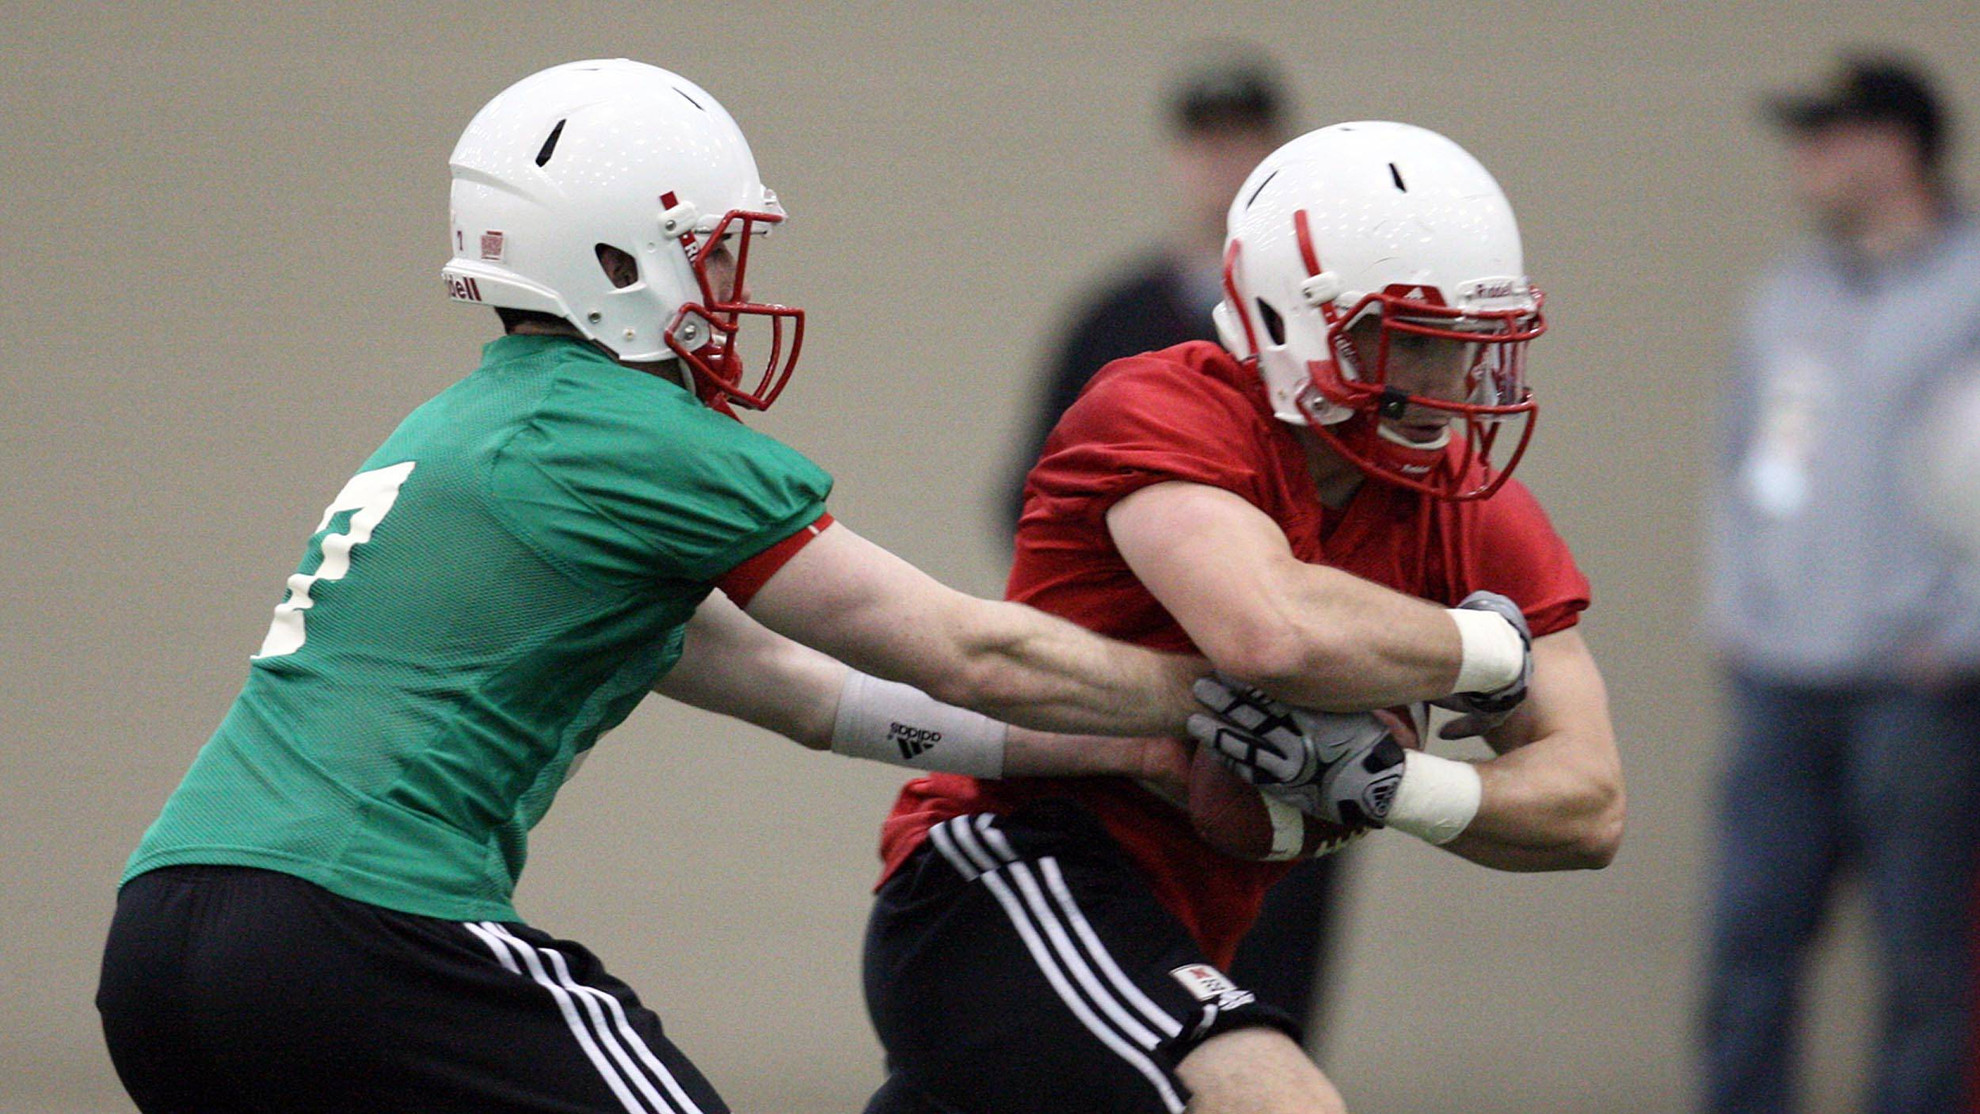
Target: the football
pixel 1231 815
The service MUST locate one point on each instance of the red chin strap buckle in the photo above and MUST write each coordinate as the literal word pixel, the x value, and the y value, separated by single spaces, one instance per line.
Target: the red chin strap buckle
pixel 717 367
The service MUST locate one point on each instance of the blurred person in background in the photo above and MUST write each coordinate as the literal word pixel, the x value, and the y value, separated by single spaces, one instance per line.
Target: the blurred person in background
pixel 1849 630
pixel 1224 114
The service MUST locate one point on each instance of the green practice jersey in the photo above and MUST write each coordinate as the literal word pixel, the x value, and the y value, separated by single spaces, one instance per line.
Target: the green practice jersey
pixel 501 582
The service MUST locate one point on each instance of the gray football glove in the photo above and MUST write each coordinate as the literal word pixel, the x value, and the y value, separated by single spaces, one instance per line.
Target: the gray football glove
pixel 1341 768
pixel 1479 712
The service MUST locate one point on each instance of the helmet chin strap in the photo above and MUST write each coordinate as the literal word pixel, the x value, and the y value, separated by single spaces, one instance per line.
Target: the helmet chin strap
pixel 705 389
pixel 1436 445
pixel 1383 450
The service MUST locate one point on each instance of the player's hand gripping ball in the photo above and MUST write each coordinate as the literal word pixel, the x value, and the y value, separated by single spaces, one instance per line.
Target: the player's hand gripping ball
pixel 1260 773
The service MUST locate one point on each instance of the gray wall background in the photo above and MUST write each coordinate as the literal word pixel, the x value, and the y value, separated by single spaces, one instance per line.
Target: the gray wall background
pixel 220 229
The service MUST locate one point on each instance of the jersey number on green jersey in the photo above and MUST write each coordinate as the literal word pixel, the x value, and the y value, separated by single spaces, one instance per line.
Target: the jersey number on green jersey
pixel 368 496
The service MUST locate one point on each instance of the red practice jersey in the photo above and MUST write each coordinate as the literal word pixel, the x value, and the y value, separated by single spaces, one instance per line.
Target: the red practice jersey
pixel 1192 413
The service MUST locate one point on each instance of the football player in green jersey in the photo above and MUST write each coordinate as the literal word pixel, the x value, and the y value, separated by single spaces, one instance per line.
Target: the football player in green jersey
pixel 321 918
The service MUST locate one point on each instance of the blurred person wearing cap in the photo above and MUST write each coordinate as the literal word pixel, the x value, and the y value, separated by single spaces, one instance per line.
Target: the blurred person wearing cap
pixel 1846 621
pixel 1223 115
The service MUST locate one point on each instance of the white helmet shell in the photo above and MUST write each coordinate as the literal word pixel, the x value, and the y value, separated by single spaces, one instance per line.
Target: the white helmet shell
pixel 1389 209
pixel 601 152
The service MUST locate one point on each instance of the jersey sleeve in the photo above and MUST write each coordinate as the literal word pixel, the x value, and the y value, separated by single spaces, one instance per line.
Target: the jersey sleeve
pixel 1147 420
pixel 742 582
pixel 1518 554
pixel 628 490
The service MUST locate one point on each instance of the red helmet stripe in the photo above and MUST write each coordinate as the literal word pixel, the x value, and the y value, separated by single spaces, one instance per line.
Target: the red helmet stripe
pixel 1231 295
pixel 1306 253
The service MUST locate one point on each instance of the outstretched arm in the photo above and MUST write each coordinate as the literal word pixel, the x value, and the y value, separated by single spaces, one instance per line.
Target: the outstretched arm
pixel 854 601
pixel 735 666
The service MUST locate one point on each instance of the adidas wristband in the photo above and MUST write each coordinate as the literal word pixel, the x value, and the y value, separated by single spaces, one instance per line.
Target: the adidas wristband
pixel 902 726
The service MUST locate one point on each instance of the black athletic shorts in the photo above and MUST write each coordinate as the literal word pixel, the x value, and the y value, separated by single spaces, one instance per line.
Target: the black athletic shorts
pixel 230 989
pixel 1021 965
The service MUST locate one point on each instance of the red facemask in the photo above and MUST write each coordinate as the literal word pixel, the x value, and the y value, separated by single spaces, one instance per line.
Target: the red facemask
pixel 1494 391
pixel 704 334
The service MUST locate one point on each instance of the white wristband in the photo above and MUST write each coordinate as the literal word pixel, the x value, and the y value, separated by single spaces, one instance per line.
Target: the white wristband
pixel 1493 654
pixel 902 726
pixel 1437 798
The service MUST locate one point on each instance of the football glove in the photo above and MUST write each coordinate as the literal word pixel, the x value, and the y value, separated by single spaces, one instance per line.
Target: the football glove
pixel 1342 768
pixel 1479 712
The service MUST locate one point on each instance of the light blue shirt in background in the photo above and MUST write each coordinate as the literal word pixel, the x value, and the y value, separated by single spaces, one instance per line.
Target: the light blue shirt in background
pixel 1823 568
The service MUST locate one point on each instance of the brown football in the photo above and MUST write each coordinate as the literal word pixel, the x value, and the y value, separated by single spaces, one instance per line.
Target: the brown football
pixel 1231 815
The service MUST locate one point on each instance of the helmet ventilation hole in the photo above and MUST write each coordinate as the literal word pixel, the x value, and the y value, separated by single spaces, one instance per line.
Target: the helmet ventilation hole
pixel 1396 176
pixel 1275 326
pixel 688 99
pixel 620 268
pixel 550 144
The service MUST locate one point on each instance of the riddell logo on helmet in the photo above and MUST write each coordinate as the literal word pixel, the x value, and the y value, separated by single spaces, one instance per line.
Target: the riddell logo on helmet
pixel 462 288
pixel 1487 289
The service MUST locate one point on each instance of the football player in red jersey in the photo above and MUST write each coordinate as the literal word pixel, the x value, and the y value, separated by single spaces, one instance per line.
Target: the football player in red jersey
pixel 1311 506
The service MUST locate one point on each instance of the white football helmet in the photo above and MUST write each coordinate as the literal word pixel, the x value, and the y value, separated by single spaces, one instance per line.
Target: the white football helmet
pixel 1393 221
pixel 616 153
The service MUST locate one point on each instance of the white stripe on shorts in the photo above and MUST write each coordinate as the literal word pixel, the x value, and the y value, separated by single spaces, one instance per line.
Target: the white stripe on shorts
pixel 970 862
pixel 682 1103
pixel 1055 881
pixel 605 1049
pixel 1075 963
pixel 1054 953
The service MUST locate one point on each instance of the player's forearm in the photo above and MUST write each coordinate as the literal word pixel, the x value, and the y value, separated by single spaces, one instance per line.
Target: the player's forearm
pixel 734 666
pixel 886 721
pixel 1555 804
pixel 854 601
pixel 1311 635
pixel 1038 671
pixel 1323 638
pixel 1045 754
